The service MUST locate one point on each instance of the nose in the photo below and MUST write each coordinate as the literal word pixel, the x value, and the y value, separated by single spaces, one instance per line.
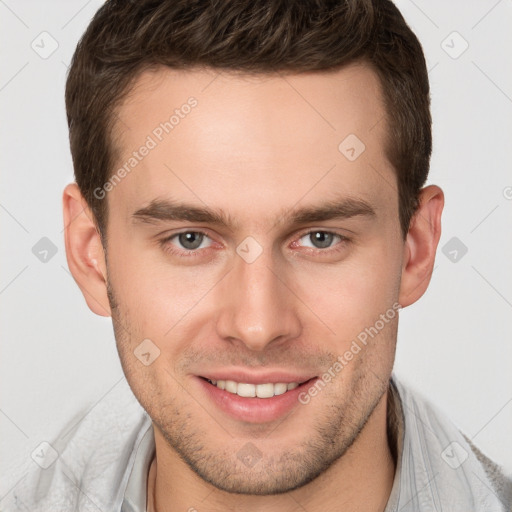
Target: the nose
pixel 257 306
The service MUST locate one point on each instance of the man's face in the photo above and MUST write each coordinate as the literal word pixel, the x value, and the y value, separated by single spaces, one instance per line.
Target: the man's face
pixel 268 296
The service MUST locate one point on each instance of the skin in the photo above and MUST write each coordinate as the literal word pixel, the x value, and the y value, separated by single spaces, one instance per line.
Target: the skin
pixel 257 148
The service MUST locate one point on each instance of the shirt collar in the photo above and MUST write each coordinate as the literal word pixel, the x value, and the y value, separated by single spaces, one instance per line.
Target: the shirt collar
pixel 136 489
pixel 396 434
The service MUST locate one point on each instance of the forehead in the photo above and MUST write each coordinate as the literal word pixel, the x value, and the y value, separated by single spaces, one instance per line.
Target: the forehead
pixel 265 141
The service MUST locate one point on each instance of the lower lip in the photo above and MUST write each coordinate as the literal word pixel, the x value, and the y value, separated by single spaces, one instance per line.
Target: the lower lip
pixel 254 410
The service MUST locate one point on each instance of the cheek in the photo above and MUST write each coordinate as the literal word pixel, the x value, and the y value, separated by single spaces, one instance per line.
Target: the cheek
pixel 351 294
pixel 167 304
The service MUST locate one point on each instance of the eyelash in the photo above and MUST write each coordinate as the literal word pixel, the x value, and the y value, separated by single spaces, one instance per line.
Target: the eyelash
pixel 164 243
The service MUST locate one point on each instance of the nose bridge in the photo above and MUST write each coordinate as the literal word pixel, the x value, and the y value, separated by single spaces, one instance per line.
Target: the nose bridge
pixel 258 308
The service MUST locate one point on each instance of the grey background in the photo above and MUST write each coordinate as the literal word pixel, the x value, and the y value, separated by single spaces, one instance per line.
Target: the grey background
pixel 57 358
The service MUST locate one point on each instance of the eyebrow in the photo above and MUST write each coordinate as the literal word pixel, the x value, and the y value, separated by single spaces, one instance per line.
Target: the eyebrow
pixel 169 210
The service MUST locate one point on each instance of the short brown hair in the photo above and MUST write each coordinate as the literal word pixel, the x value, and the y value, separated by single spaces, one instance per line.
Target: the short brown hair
pixel 127 37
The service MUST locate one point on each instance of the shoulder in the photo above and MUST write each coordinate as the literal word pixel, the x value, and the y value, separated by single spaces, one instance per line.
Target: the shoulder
pixel 85 466
pixel 500 480
pixel 436 450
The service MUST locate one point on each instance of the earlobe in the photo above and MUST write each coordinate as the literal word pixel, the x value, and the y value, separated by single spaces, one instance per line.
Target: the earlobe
pixel 84 250
pixel 421 245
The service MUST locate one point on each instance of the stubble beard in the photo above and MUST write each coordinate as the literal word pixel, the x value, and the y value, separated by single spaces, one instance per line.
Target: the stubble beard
pixel 334 432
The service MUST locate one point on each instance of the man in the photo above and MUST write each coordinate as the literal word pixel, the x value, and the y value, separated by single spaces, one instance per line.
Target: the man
pixel 250 209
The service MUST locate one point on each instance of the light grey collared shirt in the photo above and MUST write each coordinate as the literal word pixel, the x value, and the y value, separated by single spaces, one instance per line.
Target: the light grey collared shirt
pixel 103 463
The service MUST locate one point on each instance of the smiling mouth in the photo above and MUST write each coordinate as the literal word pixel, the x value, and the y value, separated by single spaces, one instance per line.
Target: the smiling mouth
pixel 246 390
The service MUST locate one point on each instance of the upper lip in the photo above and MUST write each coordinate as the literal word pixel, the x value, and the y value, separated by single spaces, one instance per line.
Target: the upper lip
pixel 244 376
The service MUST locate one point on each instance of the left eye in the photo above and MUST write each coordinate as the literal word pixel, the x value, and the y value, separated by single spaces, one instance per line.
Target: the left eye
pixel 320 239
pixel 190 240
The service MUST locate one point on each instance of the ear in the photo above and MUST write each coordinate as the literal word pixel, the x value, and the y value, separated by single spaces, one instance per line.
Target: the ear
pixel 421 245
pixel 84 251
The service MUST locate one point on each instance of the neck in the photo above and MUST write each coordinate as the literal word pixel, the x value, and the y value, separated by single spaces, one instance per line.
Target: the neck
pixel 360 480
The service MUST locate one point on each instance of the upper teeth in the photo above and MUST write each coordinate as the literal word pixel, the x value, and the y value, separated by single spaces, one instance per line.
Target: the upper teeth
pixel 244 389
